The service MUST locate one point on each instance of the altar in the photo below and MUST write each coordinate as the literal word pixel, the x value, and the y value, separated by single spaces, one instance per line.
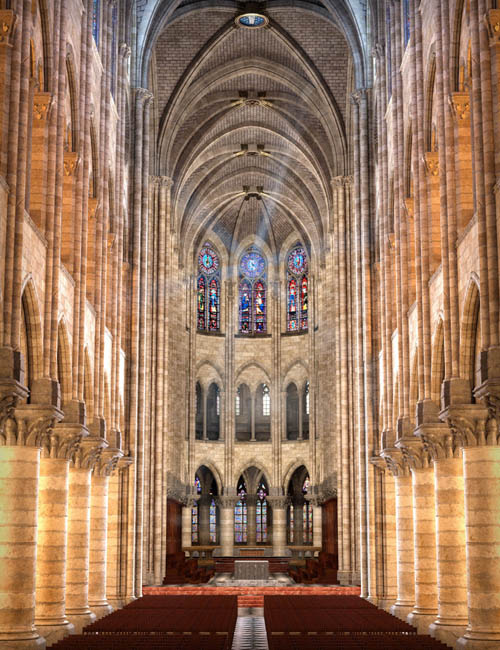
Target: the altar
pixel 251 569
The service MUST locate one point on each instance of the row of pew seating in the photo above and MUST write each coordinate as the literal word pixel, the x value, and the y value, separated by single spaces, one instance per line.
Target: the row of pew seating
pixel 337 622
pixel 151 622
pixel 320 570
pixel 181 570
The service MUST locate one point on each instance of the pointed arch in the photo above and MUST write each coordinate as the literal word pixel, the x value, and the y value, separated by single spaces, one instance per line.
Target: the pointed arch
pixel 64 367
pixel 33 332
pixel 437 363
pixel 469 331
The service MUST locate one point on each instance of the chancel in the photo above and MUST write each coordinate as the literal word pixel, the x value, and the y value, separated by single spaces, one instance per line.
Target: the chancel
pixel 249 323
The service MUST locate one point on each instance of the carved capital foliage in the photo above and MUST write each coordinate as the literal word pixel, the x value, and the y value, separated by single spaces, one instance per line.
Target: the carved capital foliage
pixel 472 425
pixel 417 456
pixel 396 462
pixel 108 461
pixel 143 95
pixel 89 452
pixel 432 163
pixel 7 24
pixel 279 502
pixel 358 96
pixel 125 50
pixel 438 440
pixel 460 103
pixel 42 103
pixel 11 393
pixel 493 24
pixel 379 462
pixel 64 440
pixel 227 502
pixel 93 205
pixel 71 160
pixel 30 425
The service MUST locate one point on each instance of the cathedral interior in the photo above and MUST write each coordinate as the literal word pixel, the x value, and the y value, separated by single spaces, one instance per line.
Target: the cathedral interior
pixel 249 305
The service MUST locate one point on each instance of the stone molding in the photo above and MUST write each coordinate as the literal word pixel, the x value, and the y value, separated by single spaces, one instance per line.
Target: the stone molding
pixel 7 25
pixel 279 502
pixel 472 425
pixel 30 425
pixel 107 462
pixel 89 452
pixel 396 462
pixel 64 440
pixel 417 456
pixel 438 440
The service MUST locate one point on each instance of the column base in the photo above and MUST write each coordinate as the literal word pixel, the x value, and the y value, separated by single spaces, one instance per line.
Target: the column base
pixel 479 641
pixel 100 609
pixel 447 633
pixel 421 620
pixel 386 604
pixel 118 603
pixel 13 642
pixel 344 578
pixel 401 610
pixel 53 632
pixel 80 620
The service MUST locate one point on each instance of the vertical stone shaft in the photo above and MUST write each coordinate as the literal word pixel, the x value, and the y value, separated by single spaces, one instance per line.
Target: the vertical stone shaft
pixel 317 525
pixel 98 539
pixel 279 527
pixel 482 522
pixel 251 519
pixel 450 547
pixel 77 568
pixel 50 618
pixel 404 547
pixel 186 526
pixel 227 526
pixel 424 532
pixel 19 469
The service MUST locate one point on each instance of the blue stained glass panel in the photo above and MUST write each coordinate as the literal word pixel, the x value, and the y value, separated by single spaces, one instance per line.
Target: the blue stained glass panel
pixel 213 522
pixel 252 20
pixel 95 20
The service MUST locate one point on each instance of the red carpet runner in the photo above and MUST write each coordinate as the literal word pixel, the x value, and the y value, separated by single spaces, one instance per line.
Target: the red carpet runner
pixel 251 596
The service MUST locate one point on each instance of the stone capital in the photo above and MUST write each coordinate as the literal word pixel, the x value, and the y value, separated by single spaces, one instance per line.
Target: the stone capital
pixel 7 24
pixel 89 452
pixel 438 440
pixel 30 424
pixel 359 95
pixel 71 160
pixel 279 502
pixel 226 501
pixel 460 103
pixel 379 463
pixel 493 24
pixel 396 462
pixel 42 103
pixel 417 456
pixel 143 95
pixel 471 425
pixel 64 440
pixel 108 461
pixel 431 161
pixel 124 50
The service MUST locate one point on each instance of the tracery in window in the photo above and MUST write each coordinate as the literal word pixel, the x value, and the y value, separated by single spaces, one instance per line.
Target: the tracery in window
pixel 237 403
pixel 266 401
pixel 240 515
pixel 297 289
pixel 213 522
pixel 261 514
pixel 252 293
pixel 195 531
pixel 208 290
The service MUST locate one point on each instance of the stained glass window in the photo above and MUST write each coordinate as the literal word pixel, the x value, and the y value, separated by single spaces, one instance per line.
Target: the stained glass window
pixel 197 485
pixel 237 405
pixel 291 525
pixel 240 516
pixel 266 401
pixel 95 20
pixel 217 402
pixel 208 290
pixel 307 398
pixel 406 21
pixel 194 524
pixel 297 290
pixel 261 515
pixel 253 298
pixel 308 523
pixel 213 522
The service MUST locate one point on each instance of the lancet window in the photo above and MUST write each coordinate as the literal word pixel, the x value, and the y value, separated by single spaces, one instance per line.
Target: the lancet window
pixel 96 10
pixel 261 514
pixel 208 290
pixel 297 289
pixel 240 515
pixel 252 292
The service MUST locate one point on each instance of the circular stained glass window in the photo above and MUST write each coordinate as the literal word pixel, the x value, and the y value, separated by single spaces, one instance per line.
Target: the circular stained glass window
pixel 297 261
pixel 208 260
pixel 251 20
pixel 252 264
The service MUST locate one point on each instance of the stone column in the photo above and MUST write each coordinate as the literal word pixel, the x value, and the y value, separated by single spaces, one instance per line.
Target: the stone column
pixel 451 621
pixel 116 544
pixel 186 525
pixel 204 520
pixel 252 416
pixel 50 612
pixel 251 500
pixel 477 433
pixel 424 535
pixel 20 437
pixel 404 533
pixel 205 409
pixel 77 569
pixel 279 505
pixel 227 504
pixel 317 523
pixel 301 408
pixel 298 522
pixel 99 530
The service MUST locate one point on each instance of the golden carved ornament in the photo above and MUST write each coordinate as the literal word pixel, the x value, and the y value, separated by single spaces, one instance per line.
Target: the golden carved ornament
pixel 493 23
pixel 7 23
pixel 432 163
pixel 41 106
pixel 461 106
